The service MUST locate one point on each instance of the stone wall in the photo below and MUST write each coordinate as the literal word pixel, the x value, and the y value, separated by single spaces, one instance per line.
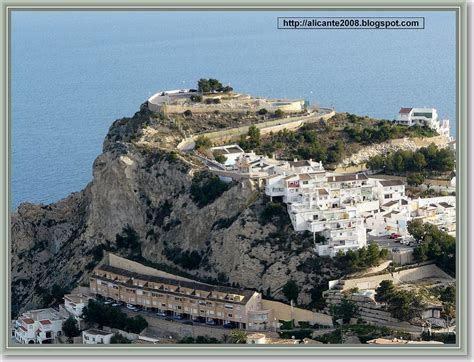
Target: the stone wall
pixel 126 264
pixel 283 312
pixel 408 275
pixel 232 134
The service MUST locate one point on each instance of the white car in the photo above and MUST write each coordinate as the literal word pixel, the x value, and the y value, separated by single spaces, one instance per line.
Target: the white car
pixel 406 240
pixel 131 307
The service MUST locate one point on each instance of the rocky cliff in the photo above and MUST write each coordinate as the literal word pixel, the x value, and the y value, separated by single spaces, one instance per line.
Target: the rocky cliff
pixel 145 203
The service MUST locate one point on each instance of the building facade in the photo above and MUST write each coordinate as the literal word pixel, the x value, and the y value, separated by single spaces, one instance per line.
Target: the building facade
pixel 215 305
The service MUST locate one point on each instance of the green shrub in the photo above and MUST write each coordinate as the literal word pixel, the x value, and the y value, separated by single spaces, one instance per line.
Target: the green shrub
pixel 202 142
pixel 206 188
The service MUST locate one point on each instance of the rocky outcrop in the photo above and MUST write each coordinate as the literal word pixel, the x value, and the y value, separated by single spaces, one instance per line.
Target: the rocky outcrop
pixel 394 145
pixel 139 205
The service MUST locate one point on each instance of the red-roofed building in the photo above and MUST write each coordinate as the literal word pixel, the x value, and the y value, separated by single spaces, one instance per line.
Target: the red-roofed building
pixel 40 326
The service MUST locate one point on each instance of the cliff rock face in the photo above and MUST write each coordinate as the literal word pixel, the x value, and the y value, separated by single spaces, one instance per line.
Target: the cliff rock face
pixel 140 205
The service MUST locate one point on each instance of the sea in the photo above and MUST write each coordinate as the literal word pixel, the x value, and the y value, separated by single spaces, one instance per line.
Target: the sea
pixel 74 72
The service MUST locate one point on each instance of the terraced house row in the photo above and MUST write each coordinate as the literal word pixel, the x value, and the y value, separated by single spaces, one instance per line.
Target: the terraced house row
pixel 182 298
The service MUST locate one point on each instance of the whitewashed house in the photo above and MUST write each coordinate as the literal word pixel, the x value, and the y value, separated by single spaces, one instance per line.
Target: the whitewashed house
pixel 389 190
pixel 96 336
pixel 40 326
pixel 423 117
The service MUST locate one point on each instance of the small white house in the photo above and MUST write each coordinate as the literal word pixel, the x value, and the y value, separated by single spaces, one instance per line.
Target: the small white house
pixel 390 190
pixel 75 303
pixel 40 326
pixel 230 152
pixel 96 336
pixel 423 117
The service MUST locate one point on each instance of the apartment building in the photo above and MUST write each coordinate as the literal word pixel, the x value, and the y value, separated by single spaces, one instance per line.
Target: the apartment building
pixel 395 215
pixel 40 326
pixel 215 305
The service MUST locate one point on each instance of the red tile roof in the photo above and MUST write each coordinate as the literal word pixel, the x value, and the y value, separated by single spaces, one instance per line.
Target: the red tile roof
pixel 45 321
pixel 28 320
pixel 405 110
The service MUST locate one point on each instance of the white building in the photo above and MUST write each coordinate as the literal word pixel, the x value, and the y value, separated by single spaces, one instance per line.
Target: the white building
pixel 230 152
pixel 389 190
pixel 394 216
pixel 96 336
pixel 40 326
pixel 75 303
pixel 423 117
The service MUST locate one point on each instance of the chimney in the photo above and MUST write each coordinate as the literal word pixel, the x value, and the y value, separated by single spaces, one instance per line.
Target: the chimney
pixel 261 161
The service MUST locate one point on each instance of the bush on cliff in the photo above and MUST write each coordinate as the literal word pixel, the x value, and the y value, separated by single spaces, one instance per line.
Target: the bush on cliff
pixel 206 188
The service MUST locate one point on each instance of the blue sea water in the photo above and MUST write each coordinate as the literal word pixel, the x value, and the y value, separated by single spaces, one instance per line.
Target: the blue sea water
pixel 74 73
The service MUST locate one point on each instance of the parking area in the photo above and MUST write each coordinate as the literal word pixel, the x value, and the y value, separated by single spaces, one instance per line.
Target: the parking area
pixel 172 317
pixel 385 242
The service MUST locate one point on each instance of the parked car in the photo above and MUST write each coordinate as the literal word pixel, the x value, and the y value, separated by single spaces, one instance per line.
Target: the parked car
pixel 115 304
pixel 188 323
pixel 138 309
pixel 169 319
pixel 131 306
pixel 395 250
pixel 229 325
pixel 198 319
pixel 161 314
pixel 109 301
pixel 178 317
pixel 395 236
pixel 211 322
pixel 407 240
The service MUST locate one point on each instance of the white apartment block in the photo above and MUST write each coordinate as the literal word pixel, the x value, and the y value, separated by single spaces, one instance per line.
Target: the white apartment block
pixel 342 208
pixel 40 326
pixel 394 216
pixel 423 117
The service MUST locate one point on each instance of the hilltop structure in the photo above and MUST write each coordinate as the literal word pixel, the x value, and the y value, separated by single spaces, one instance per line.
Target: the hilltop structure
pixel 180 100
